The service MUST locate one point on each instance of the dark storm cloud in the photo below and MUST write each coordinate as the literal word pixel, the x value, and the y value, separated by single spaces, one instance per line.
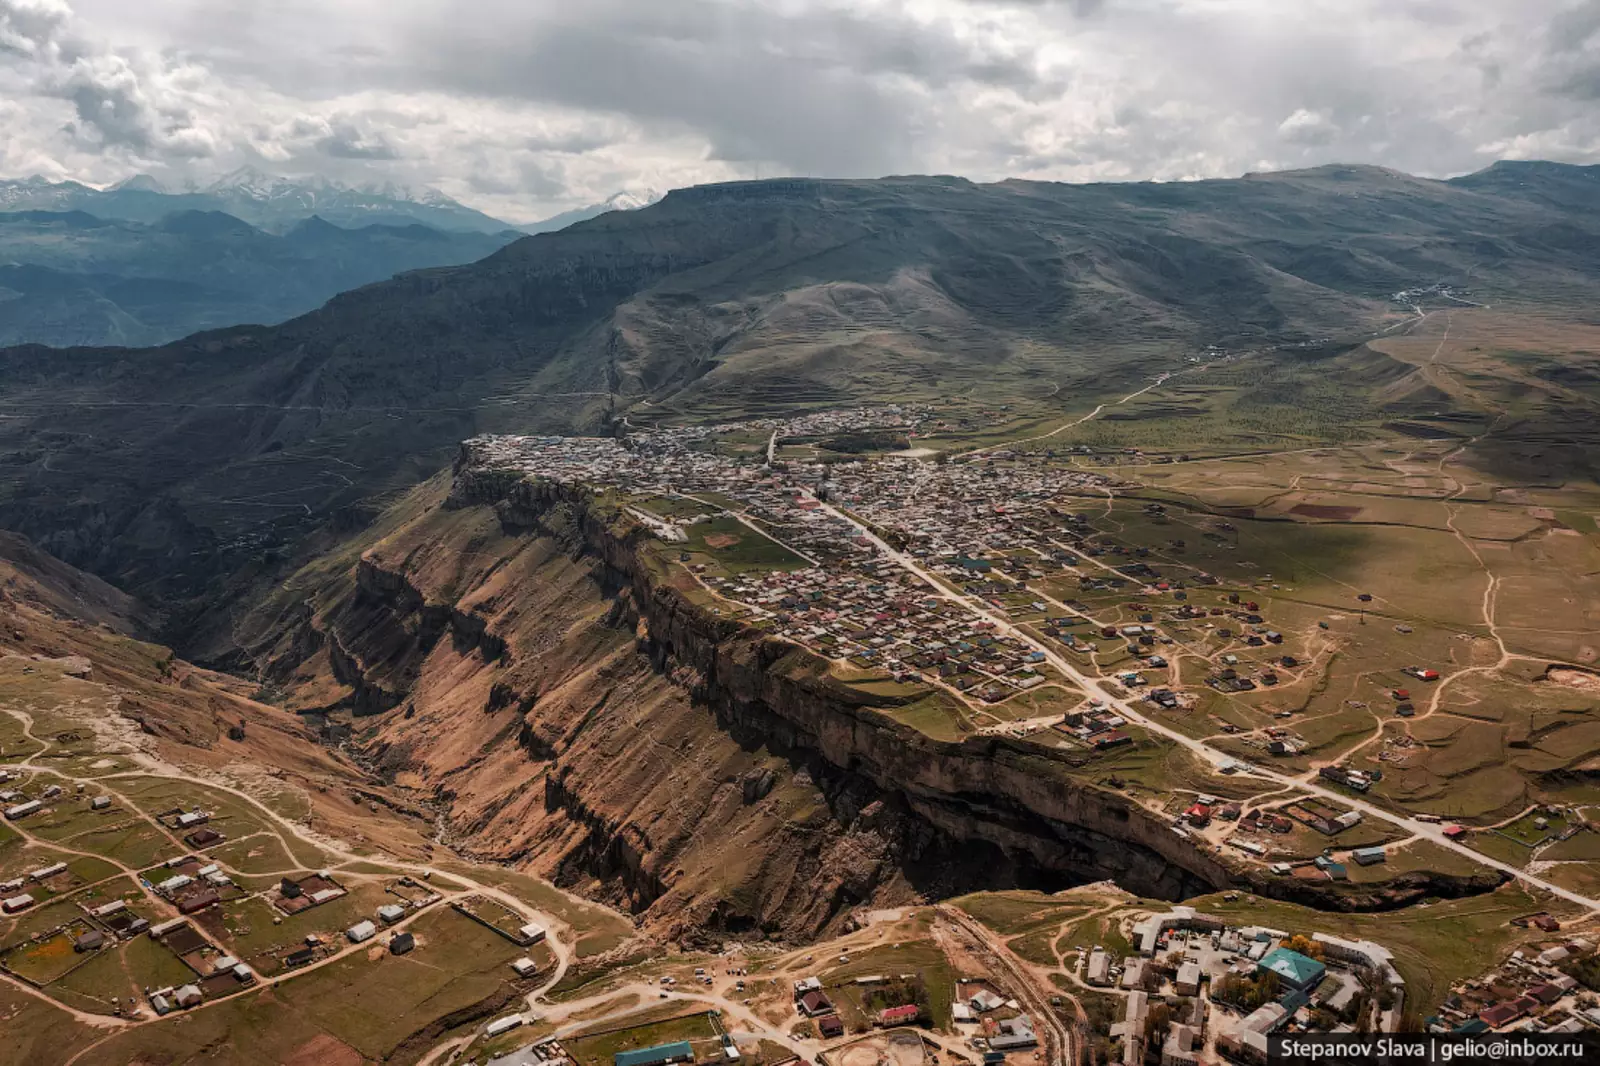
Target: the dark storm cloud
pixel 530 106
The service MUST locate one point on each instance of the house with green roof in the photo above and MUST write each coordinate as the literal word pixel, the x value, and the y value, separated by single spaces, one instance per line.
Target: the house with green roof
pixel 1294 970
pixel 660 1055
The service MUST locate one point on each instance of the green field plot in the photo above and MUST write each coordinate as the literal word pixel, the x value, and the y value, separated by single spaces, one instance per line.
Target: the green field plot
pixel 917 956
pixel 736 548
pixel 38 1031
pixel 127 839
pixel 598 930
pixel 246 926
pixel 675 507
pixel 260 854
pixel 1014 913
pixel 375 1003
pixel 121 973
pixel 937 715
pixel 1580 847
pixel 599 1048
pixel 68 819
pixel 44 960
pixel 16 928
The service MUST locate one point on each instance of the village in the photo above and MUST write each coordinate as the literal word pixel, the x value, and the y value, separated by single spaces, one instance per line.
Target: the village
pixel 978 577
pixel 201 926
pixel 1189 988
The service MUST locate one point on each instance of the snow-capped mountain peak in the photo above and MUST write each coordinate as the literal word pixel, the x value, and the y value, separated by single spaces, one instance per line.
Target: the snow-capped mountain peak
pixel 631 199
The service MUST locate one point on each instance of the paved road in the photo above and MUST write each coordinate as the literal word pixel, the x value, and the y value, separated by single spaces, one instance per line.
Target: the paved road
pixel 1425 830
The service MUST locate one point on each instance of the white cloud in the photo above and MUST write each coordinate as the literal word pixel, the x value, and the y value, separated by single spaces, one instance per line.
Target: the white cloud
pixel 526 107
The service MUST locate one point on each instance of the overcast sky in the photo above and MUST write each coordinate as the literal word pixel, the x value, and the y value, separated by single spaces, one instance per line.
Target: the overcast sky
pixel 527 107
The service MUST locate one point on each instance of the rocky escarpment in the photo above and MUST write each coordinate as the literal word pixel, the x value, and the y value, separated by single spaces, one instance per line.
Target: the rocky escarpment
pixel 514 654
pixel 1016 802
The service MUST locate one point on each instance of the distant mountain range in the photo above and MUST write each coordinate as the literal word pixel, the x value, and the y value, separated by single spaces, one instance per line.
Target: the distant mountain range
pixel 72 278
pixel 137 264
pixel 274 203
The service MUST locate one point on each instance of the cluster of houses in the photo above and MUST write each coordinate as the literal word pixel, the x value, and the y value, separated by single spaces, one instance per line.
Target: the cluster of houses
pixel 217 973
pixel 296 894
pixel 14 899
pixel 993 1024
pixel 997 505
pixel 812 1001
pixel 876 616
pixel 1529 992
pixel 1181 950
pixel 1096 725
pixel 191 884
pixel 193 824
pixel 852 603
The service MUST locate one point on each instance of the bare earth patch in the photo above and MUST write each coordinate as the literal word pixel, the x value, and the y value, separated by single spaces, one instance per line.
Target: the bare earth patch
pixel 324 1050
pixel 1582 680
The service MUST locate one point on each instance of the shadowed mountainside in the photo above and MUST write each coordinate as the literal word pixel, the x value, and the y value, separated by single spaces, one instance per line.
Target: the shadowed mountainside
pixel 169 468
pixel 73 279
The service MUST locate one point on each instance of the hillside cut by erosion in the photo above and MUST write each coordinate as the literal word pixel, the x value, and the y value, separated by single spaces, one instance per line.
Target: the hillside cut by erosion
pixel 501 648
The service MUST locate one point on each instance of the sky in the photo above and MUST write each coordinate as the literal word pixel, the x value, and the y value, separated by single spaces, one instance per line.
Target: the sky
pixel 523 108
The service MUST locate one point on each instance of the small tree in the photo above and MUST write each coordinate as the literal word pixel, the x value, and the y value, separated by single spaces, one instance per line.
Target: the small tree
pixel 1305 946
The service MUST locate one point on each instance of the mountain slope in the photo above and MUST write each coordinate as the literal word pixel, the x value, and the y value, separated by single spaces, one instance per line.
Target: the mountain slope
pixel 69 278
pixel 218 454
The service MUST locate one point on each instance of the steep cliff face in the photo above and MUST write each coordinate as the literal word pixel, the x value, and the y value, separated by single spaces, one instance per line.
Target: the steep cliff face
pixel 505 650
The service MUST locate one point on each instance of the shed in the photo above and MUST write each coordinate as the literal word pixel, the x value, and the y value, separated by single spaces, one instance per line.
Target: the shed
pixel 361 931
pixel 401 943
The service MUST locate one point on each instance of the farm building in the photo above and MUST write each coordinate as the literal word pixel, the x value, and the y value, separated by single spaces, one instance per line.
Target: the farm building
pixel 1295 970
pixel 814 1003
pixel 1368 856
pixel 660 1055
pixel 361 931
pixel 1014 1034
pixel 905 1015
